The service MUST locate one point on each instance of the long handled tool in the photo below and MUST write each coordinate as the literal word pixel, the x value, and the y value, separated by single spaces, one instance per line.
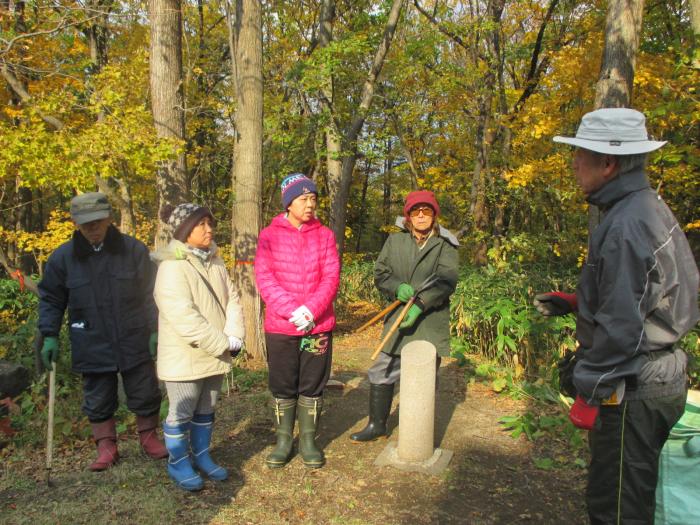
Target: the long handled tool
pixel 394 327
pixel 377 317
pixel 430 281
pixel 49 431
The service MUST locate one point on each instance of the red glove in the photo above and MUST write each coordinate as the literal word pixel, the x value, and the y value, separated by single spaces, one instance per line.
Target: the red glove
pixel 583 415
pixel 556 303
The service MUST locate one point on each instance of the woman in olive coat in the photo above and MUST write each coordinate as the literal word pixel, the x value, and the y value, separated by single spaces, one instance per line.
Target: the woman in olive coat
pixel 421 251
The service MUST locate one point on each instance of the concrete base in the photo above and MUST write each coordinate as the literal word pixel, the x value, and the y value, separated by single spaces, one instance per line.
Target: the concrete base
pixel 433 465
pixel 334 384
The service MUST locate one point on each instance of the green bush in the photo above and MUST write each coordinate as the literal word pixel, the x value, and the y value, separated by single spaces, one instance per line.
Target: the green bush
pixel 18 313
pixel 493 316
pixel 357 282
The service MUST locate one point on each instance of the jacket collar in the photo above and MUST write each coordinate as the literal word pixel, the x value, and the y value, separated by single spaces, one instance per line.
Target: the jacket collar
pixel 280 221
pixel 113 243
pixel 617 188
pixel 444 232
pixel 179 251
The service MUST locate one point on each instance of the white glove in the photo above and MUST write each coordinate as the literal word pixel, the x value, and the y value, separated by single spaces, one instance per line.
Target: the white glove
pixel 302 316
pixel 307 327
pixel 234 343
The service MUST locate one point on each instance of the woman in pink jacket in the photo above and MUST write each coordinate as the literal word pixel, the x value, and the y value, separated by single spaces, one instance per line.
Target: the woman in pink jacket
pixel 297 272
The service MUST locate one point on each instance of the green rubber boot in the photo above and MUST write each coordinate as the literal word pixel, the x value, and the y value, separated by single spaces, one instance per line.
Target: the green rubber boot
pixel 285 410
pixel 309 414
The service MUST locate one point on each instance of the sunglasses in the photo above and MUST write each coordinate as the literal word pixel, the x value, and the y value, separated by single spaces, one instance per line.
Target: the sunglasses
pixel 426 210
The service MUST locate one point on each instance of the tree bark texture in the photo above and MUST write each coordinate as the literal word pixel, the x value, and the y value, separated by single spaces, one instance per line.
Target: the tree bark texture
pixel 694 7
pixel 167 100
pixel 623 27
pixel 334 164
pixel 247 164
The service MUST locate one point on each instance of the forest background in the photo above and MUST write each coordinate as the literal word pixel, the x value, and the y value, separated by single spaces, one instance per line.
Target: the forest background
pixel 370 99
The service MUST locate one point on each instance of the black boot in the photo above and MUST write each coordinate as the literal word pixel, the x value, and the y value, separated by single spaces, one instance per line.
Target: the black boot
pixel 284 428
pixel 380 397
pixel 309 414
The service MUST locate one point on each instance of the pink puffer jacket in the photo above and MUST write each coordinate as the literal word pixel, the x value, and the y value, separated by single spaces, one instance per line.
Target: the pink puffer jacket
pixel 295 267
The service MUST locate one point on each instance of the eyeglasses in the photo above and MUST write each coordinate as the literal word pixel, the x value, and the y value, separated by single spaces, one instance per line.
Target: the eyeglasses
pixel 426 210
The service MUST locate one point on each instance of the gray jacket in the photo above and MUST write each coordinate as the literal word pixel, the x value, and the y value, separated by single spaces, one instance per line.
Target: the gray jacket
pixel 637 295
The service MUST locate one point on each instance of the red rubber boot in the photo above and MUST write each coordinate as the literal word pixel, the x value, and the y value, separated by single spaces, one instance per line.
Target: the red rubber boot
pixel 105 435
pixel 148 437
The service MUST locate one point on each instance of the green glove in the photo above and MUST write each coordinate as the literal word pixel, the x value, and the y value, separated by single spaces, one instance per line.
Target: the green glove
pixel 49 352
pixel 404 292
pixel 153 344
pixel 411 316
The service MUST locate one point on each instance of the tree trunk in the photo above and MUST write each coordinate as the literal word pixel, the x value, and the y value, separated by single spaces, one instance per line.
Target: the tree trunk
pixel 168 101
pixel 246 39
pixel 97 35
pixel 623 27
pixel 334 150
pixel 340 190
pixel 694 7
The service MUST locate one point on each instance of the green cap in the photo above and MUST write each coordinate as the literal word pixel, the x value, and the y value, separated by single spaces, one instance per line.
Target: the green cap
pixel 88 207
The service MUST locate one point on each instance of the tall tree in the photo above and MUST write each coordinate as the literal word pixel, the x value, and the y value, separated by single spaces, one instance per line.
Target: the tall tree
pixel 623 27
pixel 339 186
pixel 246 42
pixel 168 100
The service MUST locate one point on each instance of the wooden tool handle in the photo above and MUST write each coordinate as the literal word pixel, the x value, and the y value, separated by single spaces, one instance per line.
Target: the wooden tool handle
pixel 52 402
pixel 393 328
pixel 377 317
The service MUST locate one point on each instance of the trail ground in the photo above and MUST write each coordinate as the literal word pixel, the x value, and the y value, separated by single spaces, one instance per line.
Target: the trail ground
pixel 491 479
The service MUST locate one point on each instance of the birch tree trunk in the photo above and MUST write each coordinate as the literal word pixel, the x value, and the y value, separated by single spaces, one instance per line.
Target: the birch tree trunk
pixel 246 42
pixel 168 100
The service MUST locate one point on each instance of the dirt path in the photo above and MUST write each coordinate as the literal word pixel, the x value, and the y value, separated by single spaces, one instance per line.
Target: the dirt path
pixel 491 478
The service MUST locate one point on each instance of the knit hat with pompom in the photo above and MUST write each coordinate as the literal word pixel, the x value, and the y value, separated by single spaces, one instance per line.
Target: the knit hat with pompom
pixel 183 218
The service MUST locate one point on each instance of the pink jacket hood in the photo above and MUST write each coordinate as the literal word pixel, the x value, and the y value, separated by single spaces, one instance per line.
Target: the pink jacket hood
pixel 295 267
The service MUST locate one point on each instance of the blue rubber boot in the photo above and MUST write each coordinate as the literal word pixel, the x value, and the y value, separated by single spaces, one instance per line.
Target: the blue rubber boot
pixel 179 463
pixel 201 438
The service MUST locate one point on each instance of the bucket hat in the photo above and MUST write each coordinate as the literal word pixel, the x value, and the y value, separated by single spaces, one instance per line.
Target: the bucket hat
pixel 613 131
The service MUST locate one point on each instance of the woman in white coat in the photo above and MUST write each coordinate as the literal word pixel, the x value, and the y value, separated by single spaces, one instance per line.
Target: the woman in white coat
pixel 200 327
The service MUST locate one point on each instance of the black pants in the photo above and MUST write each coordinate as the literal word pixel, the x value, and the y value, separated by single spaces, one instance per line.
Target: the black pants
pixel 298 365
pixel 624 465
pixel 100 398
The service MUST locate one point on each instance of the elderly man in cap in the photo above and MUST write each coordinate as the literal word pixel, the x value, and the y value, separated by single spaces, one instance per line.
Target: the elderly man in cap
pixel 636 297
pixel 105 280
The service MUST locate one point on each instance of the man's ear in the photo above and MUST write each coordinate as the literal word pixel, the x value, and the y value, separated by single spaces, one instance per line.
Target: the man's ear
pixel 610 169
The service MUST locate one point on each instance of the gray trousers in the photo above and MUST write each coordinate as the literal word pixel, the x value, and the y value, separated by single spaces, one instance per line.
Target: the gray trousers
pixel 188 398
pixel 386 370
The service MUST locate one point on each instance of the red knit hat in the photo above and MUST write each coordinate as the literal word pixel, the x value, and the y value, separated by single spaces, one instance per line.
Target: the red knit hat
pixel 421 197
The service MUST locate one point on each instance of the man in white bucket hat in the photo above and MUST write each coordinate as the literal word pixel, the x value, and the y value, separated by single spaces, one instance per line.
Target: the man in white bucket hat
pixel 636 298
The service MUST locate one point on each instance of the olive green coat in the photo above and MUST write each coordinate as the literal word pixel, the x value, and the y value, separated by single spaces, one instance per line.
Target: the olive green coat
pixel 400 261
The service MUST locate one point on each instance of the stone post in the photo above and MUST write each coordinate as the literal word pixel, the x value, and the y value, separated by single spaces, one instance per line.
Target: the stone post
pixel 417 402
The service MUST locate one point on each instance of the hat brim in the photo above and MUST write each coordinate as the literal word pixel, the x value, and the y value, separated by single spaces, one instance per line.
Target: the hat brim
pixel 612 147
pixel 83 218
